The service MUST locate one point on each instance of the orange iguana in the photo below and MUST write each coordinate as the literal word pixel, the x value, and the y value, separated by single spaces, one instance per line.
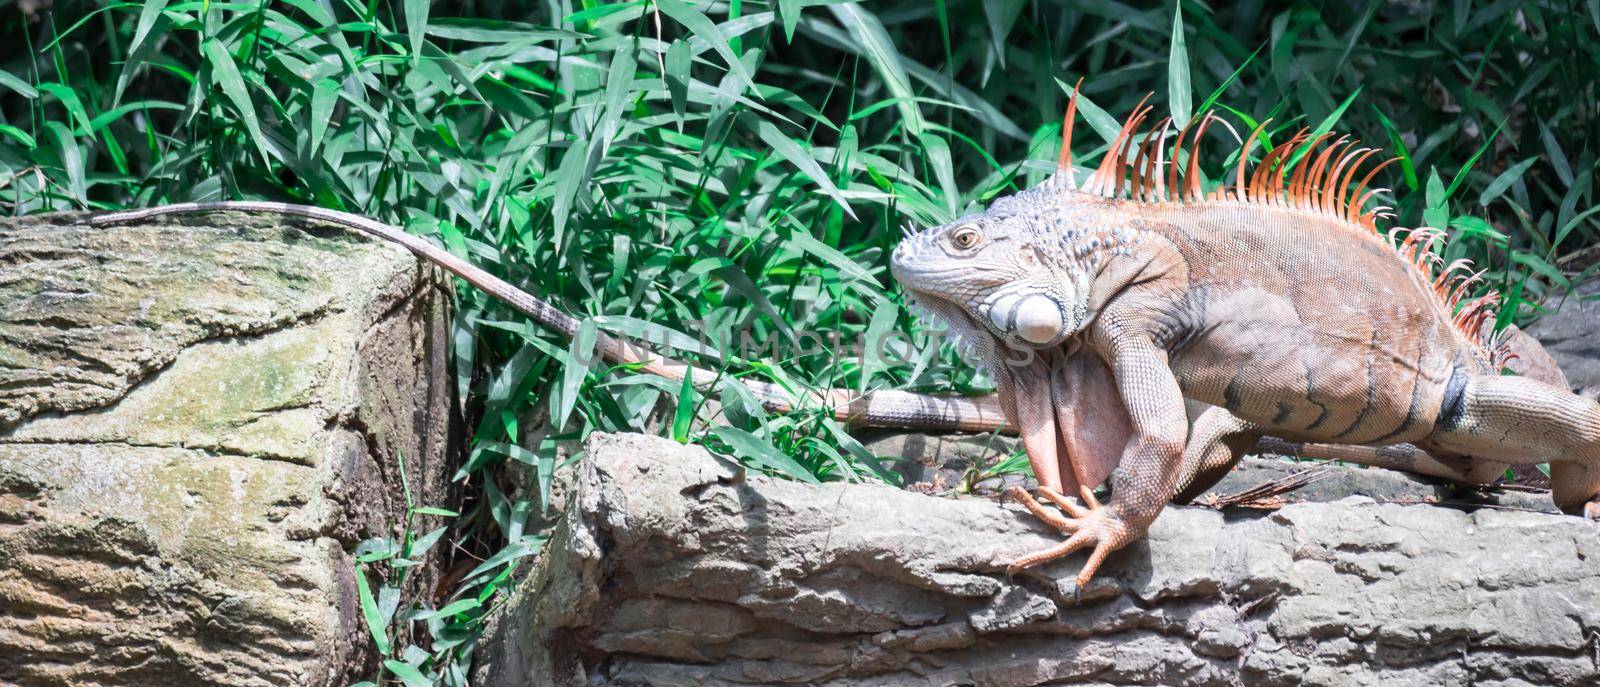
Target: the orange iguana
pixel 1099 308
pixel 886 408
pixel 910 410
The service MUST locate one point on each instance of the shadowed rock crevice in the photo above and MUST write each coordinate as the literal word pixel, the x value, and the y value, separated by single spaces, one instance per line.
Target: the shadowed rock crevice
pixel 673 567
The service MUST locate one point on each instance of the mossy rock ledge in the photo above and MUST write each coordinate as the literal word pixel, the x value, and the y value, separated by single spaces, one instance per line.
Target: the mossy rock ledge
pixel 199 419
pixel 673 567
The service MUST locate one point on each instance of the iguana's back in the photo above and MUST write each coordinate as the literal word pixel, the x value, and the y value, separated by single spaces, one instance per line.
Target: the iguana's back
pixel 1286 304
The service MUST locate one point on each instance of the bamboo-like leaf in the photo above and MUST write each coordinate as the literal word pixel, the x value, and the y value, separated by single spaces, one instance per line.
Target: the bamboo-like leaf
pixel 699 25
pixel 879 50
pixel 762 454
pixel 580 356
pixel 71 155
pixel 15 83
pixel 1178 91
pixel 225 74
pixel 453 608
pixel 74 106
pixel 569 178
pixel 1558 159
pixel 1561 234
pixel 1505 180
pixel 416 26
pixel 140 47
pixel 1466 168
pixel 376 626
pixel 1102 123
pixel 802 160
pixel 18 135
pixel 1397 145
pixel 789 11
pixel 408 674
pixel 679 61
pixel 938 153
pixel 1001 16
pixel 683 413
pixel 324 95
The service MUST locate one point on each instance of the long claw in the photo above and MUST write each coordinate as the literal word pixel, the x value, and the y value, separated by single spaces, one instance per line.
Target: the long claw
pixel 1101 550
pixel 1095 526
pixel 1061 502
pixel 1076 541
pixel 1038 510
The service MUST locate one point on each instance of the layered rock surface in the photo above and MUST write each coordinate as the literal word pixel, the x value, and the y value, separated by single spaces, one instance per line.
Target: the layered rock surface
pixel 198 419
pixel 1571 332
pixel 674 567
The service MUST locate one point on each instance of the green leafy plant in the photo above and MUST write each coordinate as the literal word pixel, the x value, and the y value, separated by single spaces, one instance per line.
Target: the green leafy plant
pixel 728 178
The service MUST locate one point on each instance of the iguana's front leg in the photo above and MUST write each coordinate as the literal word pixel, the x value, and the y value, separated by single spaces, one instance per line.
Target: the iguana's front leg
pixel 1144 480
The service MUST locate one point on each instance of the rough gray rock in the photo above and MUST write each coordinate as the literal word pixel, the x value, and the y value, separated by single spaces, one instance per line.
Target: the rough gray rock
pixel 197 422
pixel 1572 335
pixel 674 567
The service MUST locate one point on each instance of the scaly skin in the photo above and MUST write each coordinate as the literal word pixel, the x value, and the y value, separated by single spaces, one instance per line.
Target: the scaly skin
pixel 1100 309
pixel 881 408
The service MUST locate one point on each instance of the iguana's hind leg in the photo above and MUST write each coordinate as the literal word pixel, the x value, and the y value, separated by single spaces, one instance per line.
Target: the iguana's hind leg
pixel 1522 420
pixel 1217 440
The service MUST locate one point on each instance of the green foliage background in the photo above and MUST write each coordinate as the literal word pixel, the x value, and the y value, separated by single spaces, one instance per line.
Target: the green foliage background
pixel 667 168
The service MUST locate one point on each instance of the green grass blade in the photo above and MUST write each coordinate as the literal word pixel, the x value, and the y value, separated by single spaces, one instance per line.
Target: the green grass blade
pixel 408 674
pixel 74 105
pixel 1102 123
pixel 370 613
pixel 1178 90
pixel 1505 180
pixel 803 161
pixel 324 95
pixel 699 25
pixel 140 46
pixel 15 83
pixel 225 74
pixel 416 12
pixel 683 413
pixel 873 41
pixel 580 356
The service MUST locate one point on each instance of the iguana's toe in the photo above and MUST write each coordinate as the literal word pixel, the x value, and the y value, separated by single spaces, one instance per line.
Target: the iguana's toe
pixel 1071 508
pixel 1038 510
pixel 1098 528
pixel 1591 510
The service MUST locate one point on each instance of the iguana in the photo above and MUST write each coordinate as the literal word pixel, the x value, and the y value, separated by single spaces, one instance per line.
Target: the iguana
pixel 884 408
pixel 1100 307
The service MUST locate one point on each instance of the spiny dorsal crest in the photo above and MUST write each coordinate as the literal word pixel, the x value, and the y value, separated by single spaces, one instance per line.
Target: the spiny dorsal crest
pixel 1311 173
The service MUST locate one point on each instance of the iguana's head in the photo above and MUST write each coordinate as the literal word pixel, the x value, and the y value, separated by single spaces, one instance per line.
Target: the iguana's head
pixel 1017 273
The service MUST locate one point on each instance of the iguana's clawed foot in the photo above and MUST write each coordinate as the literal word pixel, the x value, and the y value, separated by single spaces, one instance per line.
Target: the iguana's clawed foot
pixel 1038 510
pixel 1591 510
pixel 1089 525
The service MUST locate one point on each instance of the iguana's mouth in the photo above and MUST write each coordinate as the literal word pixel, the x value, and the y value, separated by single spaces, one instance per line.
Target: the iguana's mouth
pixel 962 328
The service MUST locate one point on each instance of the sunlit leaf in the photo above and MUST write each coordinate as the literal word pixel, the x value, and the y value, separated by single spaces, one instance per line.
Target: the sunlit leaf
pixel 226 75
pixel 697 23
pixel 802 160
pixel 1178 92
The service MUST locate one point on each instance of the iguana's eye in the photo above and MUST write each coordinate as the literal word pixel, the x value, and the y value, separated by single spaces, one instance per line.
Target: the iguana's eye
pixel 965 237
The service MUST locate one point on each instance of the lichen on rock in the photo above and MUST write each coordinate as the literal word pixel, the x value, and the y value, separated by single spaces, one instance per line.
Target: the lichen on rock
pixel 198 419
